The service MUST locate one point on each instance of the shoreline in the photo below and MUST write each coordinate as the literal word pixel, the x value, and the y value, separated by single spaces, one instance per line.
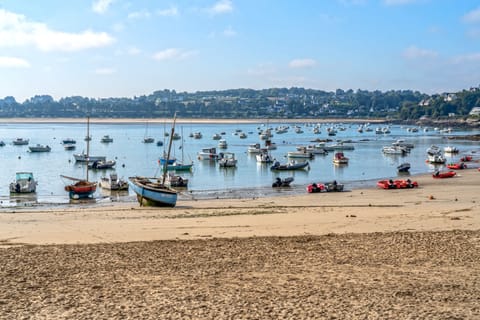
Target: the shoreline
pixel 183 120
pixel 438 204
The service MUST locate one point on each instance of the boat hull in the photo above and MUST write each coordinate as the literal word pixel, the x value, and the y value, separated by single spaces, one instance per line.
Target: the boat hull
pixel 81 190
pixel 152 196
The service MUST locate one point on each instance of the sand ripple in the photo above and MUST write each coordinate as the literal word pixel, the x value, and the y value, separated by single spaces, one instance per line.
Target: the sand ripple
pixel 427 275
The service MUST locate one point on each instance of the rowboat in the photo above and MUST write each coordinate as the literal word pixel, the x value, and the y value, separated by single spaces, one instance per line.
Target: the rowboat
pixel 447 174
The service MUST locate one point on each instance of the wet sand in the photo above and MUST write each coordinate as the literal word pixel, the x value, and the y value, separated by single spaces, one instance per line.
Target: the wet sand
pixel 361 254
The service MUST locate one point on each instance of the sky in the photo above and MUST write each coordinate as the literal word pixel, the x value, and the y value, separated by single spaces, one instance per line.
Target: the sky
pixel 127 48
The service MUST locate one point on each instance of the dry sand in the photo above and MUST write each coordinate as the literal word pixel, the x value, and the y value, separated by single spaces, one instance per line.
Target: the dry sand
pixel 362 254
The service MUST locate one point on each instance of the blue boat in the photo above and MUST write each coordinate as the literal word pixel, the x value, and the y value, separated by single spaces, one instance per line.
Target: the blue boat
pixel 151 192
pixel 163 160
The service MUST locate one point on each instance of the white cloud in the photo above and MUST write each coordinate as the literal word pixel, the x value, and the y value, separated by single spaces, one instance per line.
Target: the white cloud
pixel 170 12
pixel 472 16
pixel 17 31
pixel 101 6
pixel 413 52
pixel 133 51
pixel 222 6
pixel 105 71
pixel 13 62
pixel 143 14
pixel 173 54
pixel 302 63
pixel 229 32
pixel 469 58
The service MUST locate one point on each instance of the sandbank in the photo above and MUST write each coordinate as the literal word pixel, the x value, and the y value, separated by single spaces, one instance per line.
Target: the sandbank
pixel 438 204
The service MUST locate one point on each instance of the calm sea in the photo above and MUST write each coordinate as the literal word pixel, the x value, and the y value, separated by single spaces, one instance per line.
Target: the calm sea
pixel 367 162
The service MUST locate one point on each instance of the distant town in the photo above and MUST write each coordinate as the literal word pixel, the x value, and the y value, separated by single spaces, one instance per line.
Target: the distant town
pixel 274 103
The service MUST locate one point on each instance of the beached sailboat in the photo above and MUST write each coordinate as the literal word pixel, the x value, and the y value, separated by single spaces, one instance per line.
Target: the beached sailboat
pixel 82 188
pixel 154 191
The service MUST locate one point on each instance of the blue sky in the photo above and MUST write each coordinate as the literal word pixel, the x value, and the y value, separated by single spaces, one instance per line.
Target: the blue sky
pixel 123 48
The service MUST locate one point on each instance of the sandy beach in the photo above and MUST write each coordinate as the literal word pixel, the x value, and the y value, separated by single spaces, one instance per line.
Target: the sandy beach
pixel 360 254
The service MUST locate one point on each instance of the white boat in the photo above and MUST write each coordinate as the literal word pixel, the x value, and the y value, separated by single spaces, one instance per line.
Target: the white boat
pixel 68 141
pixel 270 145
pixel 23 183
pixel 300 153
pixel 69 146
pixel 227 160
pixel 112 182
pixel 106 139
pixel 317 149
pixel 433 150
pixel 217 136
pixel 208 154
pixel 222 144
pixel 39 148
pixel 402 143
pixel 450 149
pixel 83 157
pixel 395 150
pixel 20 142
pixel 339 146
pixel 264 156
pixel 152 191
pixel 176 181
pixel 242 135
pixel 148 140
pixel 436 158
pixel 254 148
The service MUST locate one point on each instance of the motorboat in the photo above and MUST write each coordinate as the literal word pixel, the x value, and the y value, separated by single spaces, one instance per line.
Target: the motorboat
pixel 394 150
pixel 197 135
pixel 102 165
pixel 403 167
pixel 436 159
pixel 285 182
pixel 254 148
pixel 451 149
pixel 148 140
pixel 291 165
pixel 208 154
pixel 339 158
pixel 23 183
pixel 83 157
pixel 227 160
pixel 106 139
pixel 179 166
pixel 264 156
pixel 217 136
pixel 20 142
pixel 69 141
pixel 457 166
pixel 301 152
pixel 176 181
pixel 317 149
pixel 69 146
pixel 39 148
pixel 222 144
pixel 112 182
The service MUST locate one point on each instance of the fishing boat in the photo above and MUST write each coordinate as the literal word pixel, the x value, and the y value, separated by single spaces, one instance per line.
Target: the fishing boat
pixel 279 182
pixel 339 158
pixel 208 154
pixel 82 188
pixel 113 183
pixel 291 165
pixel 20 142
pixel 39 148
pixel 446 174
pixel 227 160
pixel 264 156
pixel 23 183
pixel 153 191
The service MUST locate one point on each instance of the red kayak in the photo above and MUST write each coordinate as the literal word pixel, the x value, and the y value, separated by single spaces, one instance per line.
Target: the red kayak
pixel 457 166
pixel 397 184
pixel 447 174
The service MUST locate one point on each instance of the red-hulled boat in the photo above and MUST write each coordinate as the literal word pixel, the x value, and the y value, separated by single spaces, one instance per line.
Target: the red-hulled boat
pixel 397 184
pixel 447 174
pixel 316 187
pixel 466 158
pixel 457 166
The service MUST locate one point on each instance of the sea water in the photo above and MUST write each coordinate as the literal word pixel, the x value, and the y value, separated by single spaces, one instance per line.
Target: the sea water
pixel 133 157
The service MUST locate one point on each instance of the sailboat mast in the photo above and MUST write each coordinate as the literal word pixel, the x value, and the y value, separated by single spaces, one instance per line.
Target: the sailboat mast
pixel 88 143
pixel 169 149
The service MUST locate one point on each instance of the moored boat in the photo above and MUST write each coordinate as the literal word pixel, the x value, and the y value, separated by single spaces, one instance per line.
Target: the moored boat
pixel 39 148
pixel 457 166
pixel 285 182
pixel 113 183
pixel 106 139
pixel 20 142
pixel 227 160
pixel 403 167
pixel 208 154
pixel 339 158
pixel 292 165
pixel 23 183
